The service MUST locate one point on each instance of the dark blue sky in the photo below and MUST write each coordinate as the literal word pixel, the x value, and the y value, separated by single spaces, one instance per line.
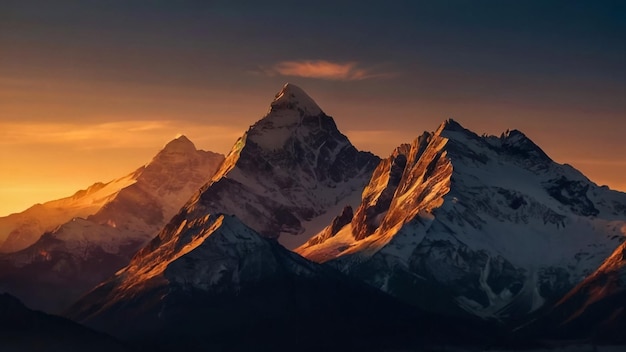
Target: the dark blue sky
pixel 198 40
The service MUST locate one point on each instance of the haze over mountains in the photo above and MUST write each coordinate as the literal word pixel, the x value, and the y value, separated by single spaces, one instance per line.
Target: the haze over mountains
pixel 64 262
pixel 20 230
pixel 454 239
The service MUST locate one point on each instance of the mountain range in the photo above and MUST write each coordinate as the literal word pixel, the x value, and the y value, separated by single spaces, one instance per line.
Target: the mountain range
pixel 298 241
pixel 491 225
pixel 76 255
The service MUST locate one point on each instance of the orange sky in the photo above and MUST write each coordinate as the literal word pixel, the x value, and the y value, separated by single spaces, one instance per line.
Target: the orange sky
pixel 105 134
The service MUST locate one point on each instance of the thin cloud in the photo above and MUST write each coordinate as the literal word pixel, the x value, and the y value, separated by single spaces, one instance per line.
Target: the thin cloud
pixel 114 135
pixel 322 69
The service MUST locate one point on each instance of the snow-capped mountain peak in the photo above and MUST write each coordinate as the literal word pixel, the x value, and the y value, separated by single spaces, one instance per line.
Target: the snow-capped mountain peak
pixel 514 141
pixel 91 246
pixel 180 144
pixel 463 206
pixel 293 115
pixel 449 125
pixel 292 97
pixel 288 173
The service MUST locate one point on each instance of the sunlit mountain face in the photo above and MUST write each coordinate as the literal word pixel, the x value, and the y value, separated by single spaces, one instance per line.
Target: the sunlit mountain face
pixel 435 176
pixel 298 240
pixel 490 224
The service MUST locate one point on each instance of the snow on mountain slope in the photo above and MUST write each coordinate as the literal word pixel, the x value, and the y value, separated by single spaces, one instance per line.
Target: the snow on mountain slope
pixel 286 172
pixel 20 230
pixel 486 225
pixel 162 187
pixel 82 252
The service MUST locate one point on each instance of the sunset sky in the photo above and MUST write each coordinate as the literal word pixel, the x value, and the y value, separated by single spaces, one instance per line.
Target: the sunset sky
pixel 91 90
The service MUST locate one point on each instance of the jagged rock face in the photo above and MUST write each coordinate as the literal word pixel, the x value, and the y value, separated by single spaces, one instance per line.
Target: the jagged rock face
pixel 572 193
pixel 63 264
pixel 490 225
pixel 376 201
pixel 337 224
pixel 285 173
pixel 342 220
pixel 20 230
pixel 387 177
pixel 162 187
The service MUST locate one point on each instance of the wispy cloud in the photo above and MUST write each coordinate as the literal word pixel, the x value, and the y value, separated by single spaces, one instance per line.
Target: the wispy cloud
pixel 113 135
pixel 322 69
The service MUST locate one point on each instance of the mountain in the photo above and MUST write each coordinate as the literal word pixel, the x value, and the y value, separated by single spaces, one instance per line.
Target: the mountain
pixel 22 329
pixel 286 176
pixel 485 226
pixel 229 288
pixel 218 276
pixel 20 230
pixel 74 257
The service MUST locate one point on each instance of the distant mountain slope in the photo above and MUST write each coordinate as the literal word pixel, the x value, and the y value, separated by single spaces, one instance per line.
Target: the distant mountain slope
pixel 77 255
pixel 486 226
pixel 20 230
pixel 24 330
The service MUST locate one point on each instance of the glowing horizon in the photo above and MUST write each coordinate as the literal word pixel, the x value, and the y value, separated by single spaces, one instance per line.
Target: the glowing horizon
pixel 104 152
pixel 82 100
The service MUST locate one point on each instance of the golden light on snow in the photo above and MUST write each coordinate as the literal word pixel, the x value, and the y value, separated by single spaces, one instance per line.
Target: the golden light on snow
pixel 46 161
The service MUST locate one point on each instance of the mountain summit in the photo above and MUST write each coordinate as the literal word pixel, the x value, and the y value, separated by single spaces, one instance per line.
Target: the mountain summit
pixel 288 174
pixel 178 160
pixel 180 144
pixel 292 97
